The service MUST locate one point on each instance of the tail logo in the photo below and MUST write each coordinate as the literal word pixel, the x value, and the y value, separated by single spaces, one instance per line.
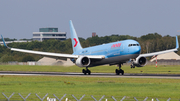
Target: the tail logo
pixel 75 42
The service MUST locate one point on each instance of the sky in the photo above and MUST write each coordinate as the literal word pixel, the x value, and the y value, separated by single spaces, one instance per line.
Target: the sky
pixel 20 18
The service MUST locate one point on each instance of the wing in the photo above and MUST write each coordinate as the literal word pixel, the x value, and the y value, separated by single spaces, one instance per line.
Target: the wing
pixel 52 55
pixel 161 52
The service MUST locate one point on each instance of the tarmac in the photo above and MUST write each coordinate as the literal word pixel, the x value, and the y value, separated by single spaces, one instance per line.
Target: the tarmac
pixel 110 75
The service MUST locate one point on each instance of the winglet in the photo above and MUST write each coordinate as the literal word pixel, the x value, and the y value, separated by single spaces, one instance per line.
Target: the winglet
pixel 4 42
pixel 177 43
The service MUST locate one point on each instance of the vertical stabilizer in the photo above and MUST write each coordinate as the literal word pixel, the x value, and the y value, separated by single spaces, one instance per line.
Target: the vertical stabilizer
pixel 75 41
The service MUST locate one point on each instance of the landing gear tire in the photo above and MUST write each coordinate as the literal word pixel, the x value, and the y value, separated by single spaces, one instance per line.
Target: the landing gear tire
pixel 84 71
pixel 87 71
pixel 132 66
pixel 120 71
pixel 117 72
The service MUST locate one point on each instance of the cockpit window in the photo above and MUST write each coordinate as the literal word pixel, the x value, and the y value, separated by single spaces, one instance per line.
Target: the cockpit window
pixel 133 45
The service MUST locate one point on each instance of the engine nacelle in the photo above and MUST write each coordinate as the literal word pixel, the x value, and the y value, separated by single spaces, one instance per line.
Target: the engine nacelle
pixel 140 62
pixel 83 61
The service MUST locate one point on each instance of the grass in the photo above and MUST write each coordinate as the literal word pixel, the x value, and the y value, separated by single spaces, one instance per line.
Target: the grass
pixel 96 86
pixel 117 87
pixel 100 69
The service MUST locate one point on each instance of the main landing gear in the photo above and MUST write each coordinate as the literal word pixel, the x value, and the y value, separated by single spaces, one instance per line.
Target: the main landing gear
pixel 86 71
pixel 119 71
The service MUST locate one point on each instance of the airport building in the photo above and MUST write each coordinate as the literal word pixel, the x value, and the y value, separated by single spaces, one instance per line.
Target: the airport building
pixel 49 33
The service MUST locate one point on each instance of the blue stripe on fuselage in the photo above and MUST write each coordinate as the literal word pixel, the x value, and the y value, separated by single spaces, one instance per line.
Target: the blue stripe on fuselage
pixel 112 49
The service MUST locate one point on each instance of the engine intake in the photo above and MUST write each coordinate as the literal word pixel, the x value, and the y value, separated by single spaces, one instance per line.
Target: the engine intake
pixel 140 62
pixel 83 61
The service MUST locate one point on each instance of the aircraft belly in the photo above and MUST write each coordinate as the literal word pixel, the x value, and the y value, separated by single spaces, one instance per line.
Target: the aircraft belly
pixel 114 60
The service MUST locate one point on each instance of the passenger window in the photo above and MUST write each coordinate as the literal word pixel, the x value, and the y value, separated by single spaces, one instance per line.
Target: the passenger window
pixel 133 45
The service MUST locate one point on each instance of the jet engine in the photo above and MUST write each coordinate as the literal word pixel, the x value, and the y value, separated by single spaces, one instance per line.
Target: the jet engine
pixel 139 62
pixel 83 61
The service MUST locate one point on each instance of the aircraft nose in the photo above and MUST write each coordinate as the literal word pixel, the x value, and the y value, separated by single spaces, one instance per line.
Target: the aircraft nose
pixel 137 50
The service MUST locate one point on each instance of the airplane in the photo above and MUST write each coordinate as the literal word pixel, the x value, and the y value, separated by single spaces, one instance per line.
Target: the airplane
pixel 115 53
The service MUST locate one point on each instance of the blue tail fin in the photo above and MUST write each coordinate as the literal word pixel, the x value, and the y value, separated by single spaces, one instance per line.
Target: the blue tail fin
pixel 75 41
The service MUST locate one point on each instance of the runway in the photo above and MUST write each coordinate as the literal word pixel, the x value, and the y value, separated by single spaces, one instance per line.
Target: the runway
pixel 111 75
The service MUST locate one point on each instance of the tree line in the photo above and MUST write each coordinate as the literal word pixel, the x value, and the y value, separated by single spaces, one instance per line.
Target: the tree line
pixel 151 42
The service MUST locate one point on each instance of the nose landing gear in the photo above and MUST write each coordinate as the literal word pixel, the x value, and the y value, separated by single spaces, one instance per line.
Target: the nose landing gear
pixel 132 66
